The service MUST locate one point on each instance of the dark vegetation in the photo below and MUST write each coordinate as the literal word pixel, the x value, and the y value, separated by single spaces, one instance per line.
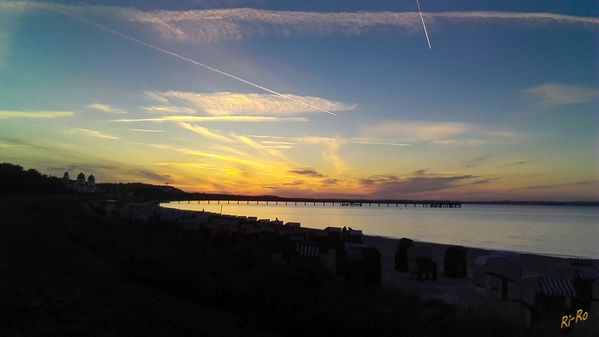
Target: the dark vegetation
pixel 14 180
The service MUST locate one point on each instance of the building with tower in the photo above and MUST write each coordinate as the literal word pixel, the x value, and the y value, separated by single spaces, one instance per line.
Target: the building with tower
pixel 80 185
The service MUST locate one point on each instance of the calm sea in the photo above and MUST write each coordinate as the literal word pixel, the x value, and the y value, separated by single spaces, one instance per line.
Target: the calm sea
pixel 549 230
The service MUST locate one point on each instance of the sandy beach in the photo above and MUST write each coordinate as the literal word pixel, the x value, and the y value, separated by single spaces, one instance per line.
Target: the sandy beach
pixel 451 290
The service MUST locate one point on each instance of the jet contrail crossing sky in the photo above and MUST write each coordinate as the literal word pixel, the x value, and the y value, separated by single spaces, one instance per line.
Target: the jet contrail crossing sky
pixel 424 25
pixel 205 66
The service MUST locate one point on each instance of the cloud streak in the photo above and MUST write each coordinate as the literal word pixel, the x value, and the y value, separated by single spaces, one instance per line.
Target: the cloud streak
pixel 94 133
pixel 418 131
pixel 307 172
pixel 518 163
pixel 105 108
pixel 570 184
pixel 207 155
pixel 213 119
pixel 228 103
pixel 215 25
pixel 405 133
pixel 6 114
pixel 555 94
pixel 477 161
pixel 147 130
pixel 172 109
pixel 205 132
pixel 393 187
pixel 330 152
pixel 195 26
pixel 261 148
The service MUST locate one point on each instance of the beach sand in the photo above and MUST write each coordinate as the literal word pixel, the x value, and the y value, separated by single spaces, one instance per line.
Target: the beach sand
pixel 455 291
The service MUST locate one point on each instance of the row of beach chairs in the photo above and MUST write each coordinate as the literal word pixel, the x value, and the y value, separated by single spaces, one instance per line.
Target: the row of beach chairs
pixel 418 260
pixel 340 251
pixel 501 277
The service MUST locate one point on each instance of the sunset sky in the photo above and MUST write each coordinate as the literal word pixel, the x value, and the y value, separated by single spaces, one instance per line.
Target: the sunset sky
pixel 504 105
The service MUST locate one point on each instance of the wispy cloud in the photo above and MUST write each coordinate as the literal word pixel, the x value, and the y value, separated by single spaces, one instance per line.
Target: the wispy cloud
pixel 248 166
pixel 214 25
pixel 477 161
pixel 327 182
pixel 530 19
pixel 267 137
pixel 370 141
pixel 205 132
pixel 203 154
pixel 147 130
pixel 518 163
pixel 169 109
pixel 483 181
pixel 294 183
pixel 277 144
pixel 459 142
pixel 270 142
pixel 243 23
pixel 307 172
pixel 555 94
pixel 228 103
pixel 8 18
pixel 154 97
pixel 337 141
pixel 404 133
pixel 394 187
pixel 261 148
pixel 418 131
pixel 197 166
pixel 330 152
pixel 5 114
pixel 214 119
pixel 378 179
pixel 568 184
pixel 232 150
pixel 105 108
pixel 94 133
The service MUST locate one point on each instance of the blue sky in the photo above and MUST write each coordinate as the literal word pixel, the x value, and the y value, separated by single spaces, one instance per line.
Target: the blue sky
pixel 504 105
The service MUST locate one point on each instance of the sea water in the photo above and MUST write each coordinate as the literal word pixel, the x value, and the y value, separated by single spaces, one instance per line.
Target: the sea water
pixel 571 231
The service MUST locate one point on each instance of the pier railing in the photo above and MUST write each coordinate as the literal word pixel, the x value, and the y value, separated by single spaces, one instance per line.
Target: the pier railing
pixel 332 202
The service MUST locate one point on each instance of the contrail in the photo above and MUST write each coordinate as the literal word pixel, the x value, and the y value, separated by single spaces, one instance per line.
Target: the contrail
pixel 424 25
pixel 224 73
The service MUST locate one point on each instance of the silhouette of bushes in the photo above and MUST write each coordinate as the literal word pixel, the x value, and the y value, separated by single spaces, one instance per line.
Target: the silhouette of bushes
pixel 15 180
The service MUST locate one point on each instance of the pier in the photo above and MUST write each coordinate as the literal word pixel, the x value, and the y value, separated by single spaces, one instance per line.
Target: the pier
pixel 324 202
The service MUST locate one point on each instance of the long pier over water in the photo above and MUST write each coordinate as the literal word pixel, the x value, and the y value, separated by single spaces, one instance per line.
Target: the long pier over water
pixel 229 200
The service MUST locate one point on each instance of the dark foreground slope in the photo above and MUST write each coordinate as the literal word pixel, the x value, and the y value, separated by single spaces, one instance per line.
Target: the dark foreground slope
pixel 67 271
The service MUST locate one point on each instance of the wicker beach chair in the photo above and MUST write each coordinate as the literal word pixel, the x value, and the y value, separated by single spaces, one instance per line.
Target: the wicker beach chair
pixel 454 264
pixel 401 257
pixel 420 263
pixel 363 265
